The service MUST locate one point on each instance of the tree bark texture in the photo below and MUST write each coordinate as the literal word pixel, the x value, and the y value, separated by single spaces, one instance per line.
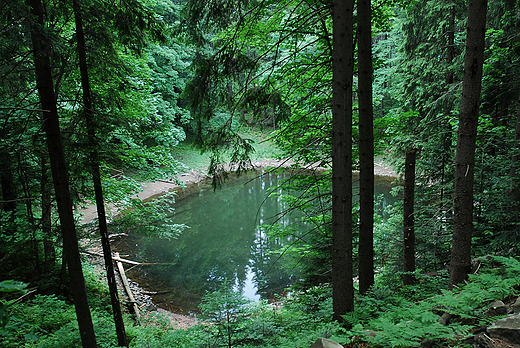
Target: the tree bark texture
pixel 7 184
pixel 466 143
pixel 48 238
pixel 446 135
pixel 366 147
pixel 515 189
pixel 409 220
pixel 44 84
pixel 342 71
pixel 96 177
pixel 450 51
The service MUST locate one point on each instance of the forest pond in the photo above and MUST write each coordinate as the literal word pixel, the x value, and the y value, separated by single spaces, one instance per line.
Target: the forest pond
pixel 226 240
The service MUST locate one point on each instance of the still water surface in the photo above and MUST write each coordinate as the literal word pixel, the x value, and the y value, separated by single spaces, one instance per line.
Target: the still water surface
pixel 225 240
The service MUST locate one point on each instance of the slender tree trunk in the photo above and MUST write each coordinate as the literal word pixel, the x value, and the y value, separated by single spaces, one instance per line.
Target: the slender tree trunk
pixel 450 51
pixel 96 176
pixel 24 181
pixel 229 87
pixel 7 184
pixel 409 220
pixel 466 143
pixel 515 191
pixel 446 137
pixel 41 48
pixel 342 71
pixel 366 147
pixel 48 243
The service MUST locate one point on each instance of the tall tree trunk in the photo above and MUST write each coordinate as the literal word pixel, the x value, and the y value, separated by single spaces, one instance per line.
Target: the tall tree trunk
pixel 229 87
pixel 342 71
pixel 466 143
pixel 24 181
pixel 515 190
pixel 96 177
pixel 446 135
pixel 409 220
pixel 366 147
pixel 450 51
pixel 7 184
pixel 48 243
pixel 41 48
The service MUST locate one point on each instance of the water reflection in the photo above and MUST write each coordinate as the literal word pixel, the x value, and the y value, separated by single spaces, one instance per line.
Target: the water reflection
pixel 224 242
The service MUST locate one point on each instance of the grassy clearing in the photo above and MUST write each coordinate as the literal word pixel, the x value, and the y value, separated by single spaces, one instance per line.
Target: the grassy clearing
pixel 193 158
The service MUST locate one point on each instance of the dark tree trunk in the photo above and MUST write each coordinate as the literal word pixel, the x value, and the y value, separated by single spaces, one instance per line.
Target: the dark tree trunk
pixel 230 96
pixel 515 191
pixel 409 220
pixel 446 126
pixel 24 181
pixel 41 48
pixel 466 143
pixel 7 184
pixel 342 71
pixel 96 176
pixel 366 148
pixel 450 51
pixel 48 238
pixel 446 137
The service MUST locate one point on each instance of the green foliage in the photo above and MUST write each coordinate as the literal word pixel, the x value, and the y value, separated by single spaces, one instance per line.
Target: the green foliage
pixel 159 337
pixel 406 316
pixel 152 218
pixel 12 285
pixel 238 322
pixel 387 316
pixel 50 321
pixel 227 313
pixel 8 286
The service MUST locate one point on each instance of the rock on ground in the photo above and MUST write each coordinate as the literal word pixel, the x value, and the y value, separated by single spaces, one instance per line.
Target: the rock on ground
pixel 325 343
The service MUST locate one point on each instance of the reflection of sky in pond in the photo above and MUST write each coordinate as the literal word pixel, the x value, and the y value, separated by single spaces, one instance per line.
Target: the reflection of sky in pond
pixel 249 288
pixel 224 242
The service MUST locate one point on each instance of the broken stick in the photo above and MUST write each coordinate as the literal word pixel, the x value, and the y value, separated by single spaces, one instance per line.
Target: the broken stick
pixel 126 285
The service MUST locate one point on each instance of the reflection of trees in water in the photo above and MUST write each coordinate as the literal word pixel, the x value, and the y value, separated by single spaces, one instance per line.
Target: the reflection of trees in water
pixel 223 242
pixel 274 272
pixel 219 243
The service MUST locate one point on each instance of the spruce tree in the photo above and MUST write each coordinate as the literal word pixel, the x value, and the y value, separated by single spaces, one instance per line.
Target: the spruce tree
pixel 460 265
pixel 42 51
pixel 342 76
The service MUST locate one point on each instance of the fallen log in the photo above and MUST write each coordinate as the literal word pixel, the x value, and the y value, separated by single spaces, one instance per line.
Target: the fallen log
pixel 114 257
pixel 126 285
pixel 130 262
pixel 155 292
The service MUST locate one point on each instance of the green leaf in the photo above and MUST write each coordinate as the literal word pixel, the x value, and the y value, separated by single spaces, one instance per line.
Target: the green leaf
pixel 12 285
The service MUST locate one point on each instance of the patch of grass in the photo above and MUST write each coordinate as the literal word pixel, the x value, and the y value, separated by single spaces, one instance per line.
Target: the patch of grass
pixel 193 158
pixel 264 147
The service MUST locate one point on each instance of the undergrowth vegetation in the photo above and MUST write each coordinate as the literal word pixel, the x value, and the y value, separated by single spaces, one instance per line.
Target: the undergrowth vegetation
pixel 388 316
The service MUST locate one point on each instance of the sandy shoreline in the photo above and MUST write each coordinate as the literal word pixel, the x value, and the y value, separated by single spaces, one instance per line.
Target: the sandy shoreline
pixel 152 190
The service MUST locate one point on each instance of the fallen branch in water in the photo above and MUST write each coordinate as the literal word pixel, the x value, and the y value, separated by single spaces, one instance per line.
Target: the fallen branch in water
pixel 117 258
